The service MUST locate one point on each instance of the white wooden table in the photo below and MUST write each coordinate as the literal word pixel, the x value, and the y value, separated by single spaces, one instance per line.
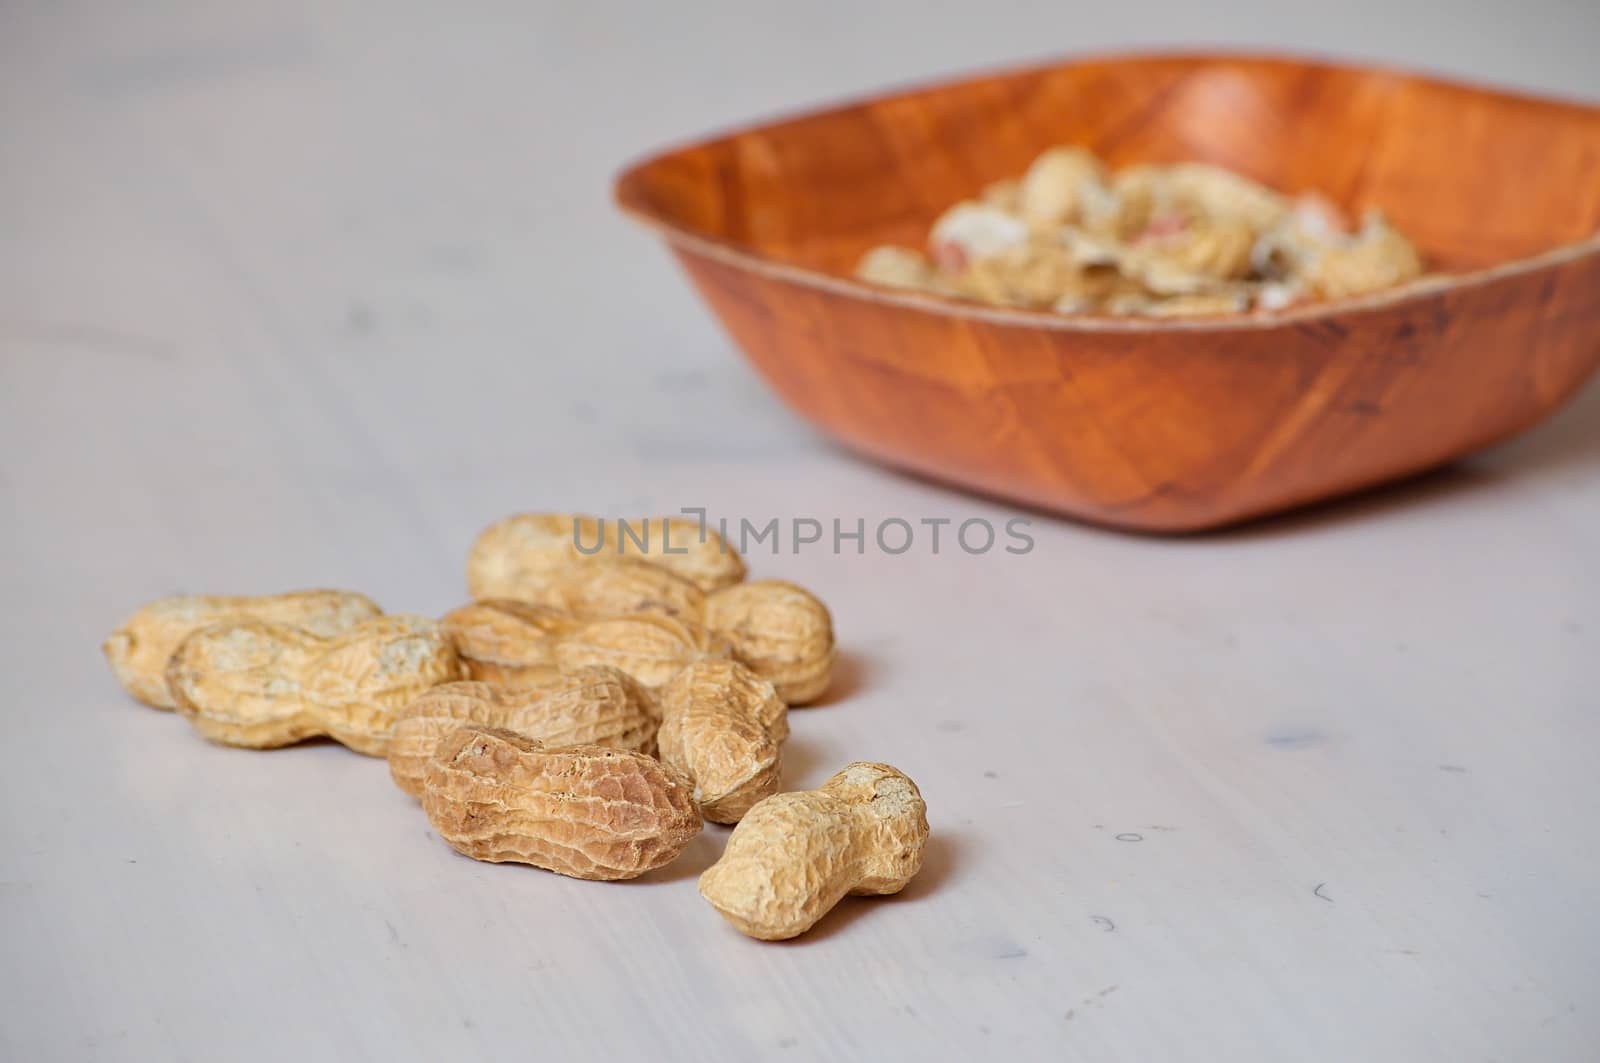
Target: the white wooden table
pixel 304 294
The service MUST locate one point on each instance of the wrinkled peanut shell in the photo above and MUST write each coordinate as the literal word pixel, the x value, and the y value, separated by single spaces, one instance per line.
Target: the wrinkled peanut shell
pixel 780 631
pixel 652 649
pixel 516 556
pixel 592 706
pixel 723 727
pixel 259 685
pixel 585 811
pixel 796 855
pixel 619 588
pixel 139 650
pixel 508 643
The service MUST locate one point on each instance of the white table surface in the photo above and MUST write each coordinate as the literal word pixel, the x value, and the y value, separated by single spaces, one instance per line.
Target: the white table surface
pixel 304 294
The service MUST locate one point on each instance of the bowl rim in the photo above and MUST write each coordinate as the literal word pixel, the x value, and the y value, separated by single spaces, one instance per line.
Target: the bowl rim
pixel 626 198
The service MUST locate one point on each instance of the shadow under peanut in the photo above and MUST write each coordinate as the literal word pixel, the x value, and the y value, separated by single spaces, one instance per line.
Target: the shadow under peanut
pixel 699 854
pixel 851 673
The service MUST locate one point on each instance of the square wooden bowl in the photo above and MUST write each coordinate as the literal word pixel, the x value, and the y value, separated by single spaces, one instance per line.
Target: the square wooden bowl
pixel 1157 425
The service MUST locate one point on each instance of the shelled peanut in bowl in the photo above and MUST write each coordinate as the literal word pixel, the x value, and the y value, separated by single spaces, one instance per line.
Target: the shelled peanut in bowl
pixel 1163 241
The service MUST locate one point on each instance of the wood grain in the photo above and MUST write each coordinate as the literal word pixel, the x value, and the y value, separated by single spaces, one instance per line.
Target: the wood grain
pixel 1164 426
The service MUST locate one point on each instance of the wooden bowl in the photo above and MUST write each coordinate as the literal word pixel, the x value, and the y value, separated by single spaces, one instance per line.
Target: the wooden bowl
pixel 1158 425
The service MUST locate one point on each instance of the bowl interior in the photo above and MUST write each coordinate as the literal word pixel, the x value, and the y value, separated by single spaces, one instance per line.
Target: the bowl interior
pixel 1475 177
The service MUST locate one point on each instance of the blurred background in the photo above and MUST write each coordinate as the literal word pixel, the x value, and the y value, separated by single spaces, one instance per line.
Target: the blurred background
pixel 409 205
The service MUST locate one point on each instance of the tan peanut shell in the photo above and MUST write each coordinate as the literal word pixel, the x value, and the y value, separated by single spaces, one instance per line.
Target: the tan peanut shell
pixel 584 811
pixel 259 685
pixel 1376 258
pixel 722 726
pixel 139 650
pixel 780 631
pixel 650 648
pixel 514 557
pixel 896 267
pixel 1157 240
pixel 795 855
pixel 619 588
pixel 508 643
pixel 526 548
pixel 1059 186
pixel 1192 260
pixel 592 706
pixel 675 543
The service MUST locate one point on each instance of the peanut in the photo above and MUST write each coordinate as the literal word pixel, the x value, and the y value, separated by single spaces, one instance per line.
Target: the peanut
pixel 584 811
pixel 592 706
pixel 259 685
pixel 722 726
pixel 795 855
pixel 139 650
pixel 617 588
pixel 896 267
pixel 780 631
pixel 1192 260
pixel 513 557
pixel 1060 186
pixel 651 649
pixel 1170 240
pixel 508 643
pixel 1213 192
pixel 1378 257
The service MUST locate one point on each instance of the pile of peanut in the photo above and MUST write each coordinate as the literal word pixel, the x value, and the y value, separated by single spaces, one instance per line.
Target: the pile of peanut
pixel 1162 241
pixel 584 713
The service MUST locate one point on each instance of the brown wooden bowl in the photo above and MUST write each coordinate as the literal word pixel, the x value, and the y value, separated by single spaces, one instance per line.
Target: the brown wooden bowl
pixel 1157 425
